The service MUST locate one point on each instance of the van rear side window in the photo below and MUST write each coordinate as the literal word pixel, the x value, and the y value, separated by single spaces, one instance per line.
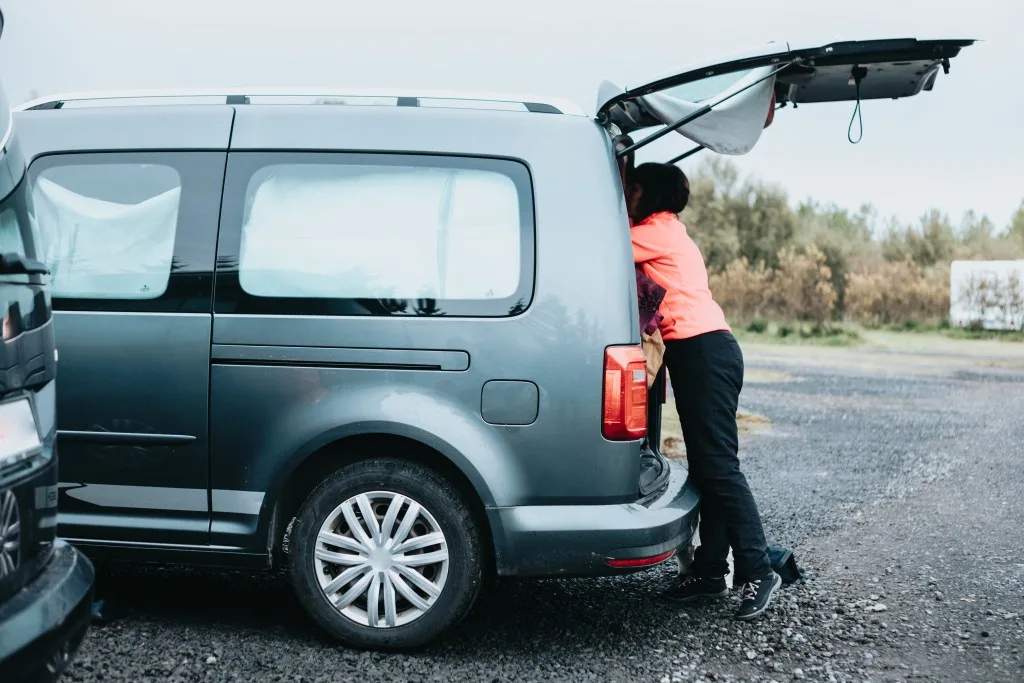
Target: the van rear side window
pixel 109 228
pixel 389 234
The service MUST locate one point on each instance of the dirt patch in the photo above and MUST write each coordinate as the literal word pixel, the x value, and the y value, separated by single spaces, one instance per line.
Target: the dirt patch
pixel 756 376
pixel 673 447
pixel 750 423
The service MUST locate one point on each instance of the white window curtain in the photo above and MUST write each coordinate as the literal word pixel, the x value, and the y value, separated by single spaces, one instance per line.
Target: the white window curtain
pixel 100 249
pixel 405 233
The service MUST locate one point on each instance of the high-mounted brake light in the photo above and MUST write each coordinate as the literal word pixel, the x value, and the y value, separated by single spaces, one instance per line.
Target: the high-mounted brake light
pixel 625 394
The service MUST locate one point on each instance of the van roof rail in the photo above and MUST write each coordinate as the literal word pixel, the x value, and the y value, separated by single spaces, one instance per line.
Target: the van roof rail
pixel 240 96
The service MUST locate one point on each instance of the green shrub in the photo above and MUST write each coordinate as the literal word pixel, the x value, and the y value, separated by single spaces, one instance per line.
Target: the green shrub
pixel 758 326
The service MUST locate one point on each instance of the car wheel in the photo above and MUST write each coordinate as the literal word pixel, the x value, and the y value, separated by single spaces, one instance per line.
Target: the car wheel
pixel 385 554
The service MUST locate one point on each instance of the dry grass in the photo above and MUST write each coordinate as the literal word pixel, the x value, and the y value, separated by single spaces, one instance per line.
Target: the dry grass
pixel 897 293
pixel 800 289
pixel 743 290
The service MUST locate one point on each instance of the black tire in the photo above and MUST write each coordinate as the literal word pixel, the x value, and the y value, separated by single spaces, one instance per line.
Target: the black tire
pixel 449 510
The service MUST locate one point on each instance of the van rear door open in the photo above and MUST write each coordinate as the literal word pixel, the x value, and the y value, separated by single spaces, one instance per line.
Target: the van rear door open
pixel 726 104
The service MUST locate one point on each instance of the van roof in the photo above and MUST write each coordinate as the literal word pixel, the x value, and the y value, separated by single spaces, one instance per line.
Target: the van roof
pixel 351 97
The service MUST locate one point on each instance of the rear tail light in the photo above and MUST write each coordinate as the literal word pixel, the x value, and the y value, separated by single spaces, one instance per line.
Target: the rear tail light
pixel 625 394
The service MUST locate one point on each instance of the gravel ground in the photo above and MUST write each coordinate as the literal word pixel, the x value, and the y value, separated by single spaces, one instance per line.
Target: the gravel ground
pixel 899 491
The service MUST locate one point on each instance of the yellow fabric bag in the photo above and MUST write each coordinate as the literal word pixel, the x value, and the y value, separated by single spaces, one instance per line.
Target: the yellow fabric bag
pixel 654 354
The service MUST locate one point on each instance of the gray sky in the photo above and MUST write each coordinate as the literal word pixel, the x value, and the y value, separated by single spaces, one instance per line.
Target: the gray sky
pixel 958 147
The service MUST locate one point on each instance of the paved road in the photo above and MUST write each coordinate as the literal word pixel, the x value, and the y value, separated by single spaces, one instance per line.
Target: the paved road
pixel 899 487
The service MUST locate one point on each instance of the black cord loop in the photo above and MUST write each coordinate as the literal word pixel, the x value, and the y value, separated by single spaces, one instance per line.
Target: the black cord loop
pixel 859 72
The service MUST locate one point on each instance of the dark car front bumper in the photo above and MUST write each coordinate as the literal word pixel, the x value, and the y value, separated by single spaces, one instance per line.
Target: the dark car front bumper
pixel 42 625
pixel 578 540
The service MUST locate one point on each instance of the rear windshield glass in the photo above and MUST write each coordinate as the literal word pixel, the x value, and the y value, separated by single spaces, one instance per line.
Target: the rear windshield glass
pixel 706 88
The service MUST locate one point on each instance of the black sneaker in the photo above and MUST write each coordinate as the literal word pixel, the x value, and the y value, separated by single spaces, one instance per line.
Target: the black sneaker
pixel 755 596
pixel 688 588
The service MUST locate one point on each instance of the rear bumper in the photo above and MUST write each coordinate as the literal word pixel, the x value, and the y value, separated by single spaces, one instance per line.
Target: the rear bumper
pixel 577 540
pixel 43 624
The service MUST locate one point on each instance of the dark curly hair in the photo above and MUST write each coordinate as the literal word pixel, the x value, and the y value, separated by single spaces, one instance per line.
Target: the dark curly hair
pixel 664 188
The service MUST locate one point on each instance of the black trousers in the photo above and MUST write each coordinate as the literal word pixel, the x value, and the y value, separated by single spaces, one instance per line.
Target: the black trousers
pixel 707 376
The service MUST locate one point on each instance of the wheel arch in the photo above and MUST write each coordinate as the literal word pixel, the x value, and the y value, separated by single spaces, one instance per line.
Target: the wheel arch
pixel 329 454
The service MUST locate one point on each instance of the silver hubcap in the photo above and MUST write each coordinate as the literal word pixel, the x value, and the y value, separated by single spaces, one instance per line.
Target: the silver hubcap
pixel 381 559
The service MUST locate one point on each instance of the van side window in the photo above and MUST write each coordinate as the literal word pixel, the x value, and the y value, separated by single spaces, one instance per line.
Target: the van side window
pixel 376 235
pixel 109 228
pixel 128 231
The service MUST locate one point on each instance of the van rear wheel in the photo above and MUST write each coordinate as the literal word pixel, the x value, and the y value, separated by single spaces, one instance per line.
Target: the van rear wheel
pixel 385 555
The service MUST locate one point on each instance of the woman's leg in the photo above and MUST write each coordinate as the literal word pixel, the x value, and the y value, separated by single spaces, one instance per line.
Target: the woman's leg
pixel 707 376
pixel 711 557
pixel 706 575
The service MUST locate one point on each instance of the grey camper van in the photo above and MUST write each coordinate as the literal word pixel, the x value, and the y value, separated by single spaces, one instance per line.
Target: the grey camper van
pixel 386 339
pixel 45 583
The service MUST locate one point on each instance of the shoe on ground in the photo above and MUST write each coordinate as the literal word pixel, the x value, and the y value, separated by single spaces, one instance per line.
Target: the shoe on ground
pixel 756 595
pixel 689 588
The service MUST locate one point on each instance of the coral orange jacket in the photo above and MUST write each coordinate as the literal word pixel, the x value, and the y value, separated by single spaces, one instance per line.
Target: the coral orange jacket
pixel 663 248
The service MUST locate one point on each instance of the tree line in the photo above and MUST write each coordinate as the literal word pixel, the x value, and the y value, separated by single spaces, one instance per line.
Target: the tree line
pixel 819 263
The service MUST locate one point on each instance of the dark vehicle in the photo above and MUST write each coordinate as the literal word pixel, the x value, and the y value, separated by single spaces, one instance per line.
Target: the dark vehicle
pixel 45 584
pixel 392 347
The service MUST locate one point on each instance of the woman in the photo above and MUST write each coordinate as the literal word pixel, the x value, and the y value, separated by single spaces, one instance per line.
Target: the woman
pixel 706 369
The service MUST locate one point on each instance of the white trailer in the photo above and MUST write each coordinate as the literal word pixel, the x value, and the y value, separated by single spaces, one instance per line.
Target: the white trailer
pixel 987 293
